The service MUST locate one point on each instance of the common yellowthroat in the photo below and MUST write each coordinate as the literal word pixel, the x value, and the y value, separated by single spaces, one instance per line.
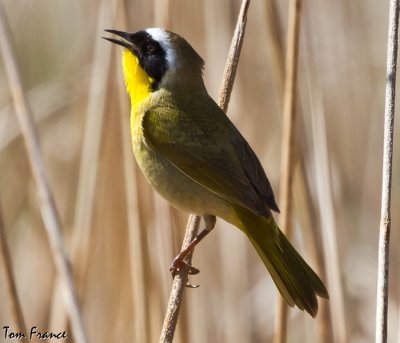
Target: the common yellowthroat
pixel 194 156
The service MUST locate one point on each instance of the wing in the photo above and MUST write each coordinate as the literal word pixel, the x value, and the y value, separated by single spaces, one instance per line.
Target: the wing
pixel 254 171
pixel 204 152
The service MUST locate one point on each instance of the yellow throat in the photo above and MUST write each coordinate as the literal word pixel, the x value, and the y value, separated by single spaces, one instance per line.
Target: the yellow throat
pixel 138 82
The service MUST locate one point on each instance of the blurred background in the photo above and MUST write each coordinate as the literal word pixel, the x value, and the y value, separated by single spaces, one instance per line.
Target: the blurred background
pixel 122 237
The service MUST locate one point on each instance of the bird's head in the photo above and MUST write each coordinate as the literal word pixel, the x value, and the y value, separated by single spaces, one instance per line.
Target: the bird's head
pixel 156 58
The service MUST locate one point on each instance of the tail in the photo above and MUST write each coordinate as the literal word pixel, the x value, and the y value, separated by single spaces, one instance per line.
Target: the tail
pixel 298 284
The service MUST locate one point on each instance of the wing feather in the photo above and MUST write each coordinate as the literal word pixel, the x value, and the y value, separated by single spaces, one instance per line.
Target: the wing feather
pixel 221 163
pixel 254 171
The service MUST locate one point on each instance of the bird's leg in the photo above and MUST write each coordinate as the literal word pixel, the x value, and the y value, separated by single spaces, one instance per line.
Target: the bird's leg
pixel 178 263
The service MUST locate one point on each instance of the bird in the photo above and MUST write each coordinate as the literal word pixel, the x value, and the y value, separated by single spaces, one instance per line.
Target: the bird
pixel 194 156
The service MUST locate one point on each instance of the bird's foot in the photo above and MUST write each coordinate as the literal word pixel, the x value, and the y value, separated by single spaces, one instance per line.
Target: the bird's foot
pixel 179 265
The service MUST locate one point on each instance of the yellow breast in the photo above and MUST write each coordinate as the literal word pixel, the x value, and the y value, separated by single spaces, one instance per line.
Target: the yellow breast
pixel 138 82
pixel 138 85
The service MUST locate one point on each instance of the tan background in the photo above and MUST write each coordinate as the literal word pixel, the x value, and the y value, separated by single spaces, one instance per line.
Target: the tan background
pixel 71 75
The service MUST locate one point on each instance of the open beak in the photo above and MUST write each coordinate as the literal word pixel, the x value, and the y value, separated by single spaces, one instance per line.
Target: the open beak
pixel 125 35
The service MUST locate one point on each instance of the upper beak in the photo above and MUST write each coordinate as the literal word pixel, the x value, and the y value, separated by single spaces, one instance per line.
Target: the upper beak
pixel 124 35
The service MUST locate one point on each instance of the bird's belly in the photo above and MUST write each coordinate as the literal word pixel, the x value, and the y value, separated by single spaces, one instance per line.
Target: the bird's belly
pixel 180 190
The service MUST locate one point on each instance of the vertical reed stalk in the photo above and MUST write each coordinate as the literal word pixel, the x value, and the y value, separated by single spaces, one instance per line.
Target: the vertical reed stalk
pixel 384 230
pixel 162 14
pixel 325 191
pixel 328 219
pixel 175 300
pixel 288 139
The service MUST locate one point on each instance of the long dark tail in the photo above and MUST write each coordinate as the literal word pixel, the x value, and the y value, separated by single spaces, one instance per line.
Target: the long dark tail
pixel 298 284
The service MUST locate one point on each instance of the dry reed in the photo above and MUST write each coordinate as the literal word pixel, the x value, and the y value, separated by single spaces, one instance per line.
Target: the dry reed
pixel 288 152
pixel 301 185
pixel 180 280
pixel 46 200
pixel 324 189
pixel 385 222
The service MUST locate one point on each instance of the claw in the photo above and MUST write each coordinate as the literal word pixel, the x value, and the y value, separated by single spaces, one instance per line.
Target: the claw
pixel 179 265
pixel 190 285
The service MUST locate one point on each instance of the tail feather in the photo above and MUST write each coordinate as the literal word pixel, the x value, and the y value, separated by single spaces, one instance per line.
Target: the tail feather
pixel 298 284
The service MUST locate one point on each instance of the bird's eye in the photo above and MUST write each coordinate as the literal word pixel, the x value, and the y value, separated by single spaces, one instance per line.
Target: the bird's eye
pixel 150 48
